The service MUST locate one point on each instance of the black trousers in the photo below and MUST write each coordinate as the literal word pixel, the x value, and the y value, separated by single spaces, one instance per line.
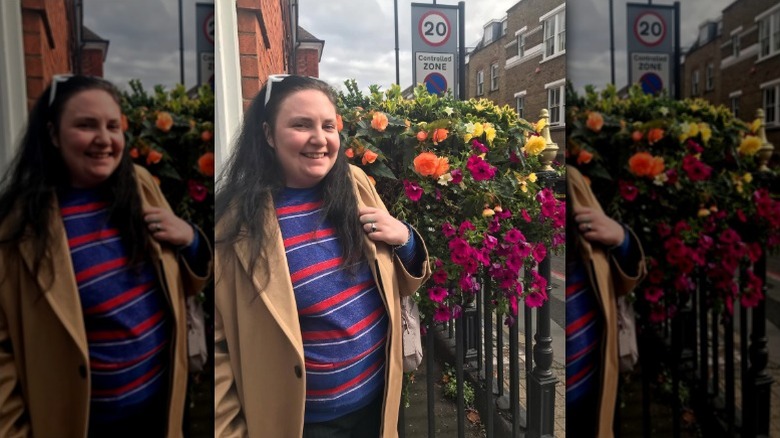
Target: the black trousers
pixel 363 423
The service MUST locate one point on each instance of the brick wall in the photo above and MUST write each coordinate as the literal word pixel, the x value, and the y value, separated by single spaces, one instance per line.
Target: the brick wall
pixel 47 43
pixel 92 62
pixel 262 39
pixel 308 62
pixel 529 75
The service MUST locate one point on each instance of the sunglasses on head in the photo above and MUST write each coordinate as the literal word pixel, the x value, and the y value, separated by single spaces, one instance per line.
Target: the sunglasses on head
pixel 56 79
pixel 279 78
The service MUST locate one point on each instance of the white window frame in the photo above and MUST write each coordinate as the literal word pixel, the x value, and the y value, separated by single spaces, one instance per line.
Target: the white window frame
pixel 771 106
pixel 695 83
pixel 736 45
pixel 556 102
pixel 494 77
pixel 228 108
pixel 709 77
pixel 769 33
pixel 520 104
pixel 13 93
pixel 735 98
pixel 480 82
pixel 554 32
pixel 521 45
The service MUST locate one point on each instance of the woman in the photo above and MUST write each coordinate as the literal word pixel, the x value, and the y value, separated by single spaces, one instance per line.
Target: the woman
pixel 309 274
pixel 94 269
pixel 606 262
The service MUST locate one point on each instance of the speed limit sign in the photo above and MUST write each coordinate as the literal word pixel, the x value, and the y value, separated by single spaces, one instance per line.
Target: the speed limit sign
pixel 649 29
pixel 434 28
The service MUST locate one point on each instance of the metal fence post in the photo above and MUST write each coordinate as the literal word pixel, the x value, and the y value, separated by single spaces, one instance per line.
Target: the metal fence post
pixel 541 390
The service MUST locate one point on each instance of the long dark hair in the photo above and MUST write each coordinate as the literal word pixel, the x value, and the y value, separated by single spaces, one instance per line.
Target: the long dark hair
pixel 253 177
pixel 29 187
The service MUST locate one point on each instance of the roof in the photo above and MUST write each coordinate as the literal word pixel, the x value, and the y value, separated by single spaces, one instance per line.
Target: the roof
pixel 305 36
pixel 88 35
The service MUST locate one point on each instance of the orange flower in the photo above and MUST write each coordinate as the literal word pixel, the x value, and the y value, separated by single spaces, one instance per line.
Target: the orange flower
pixel 636 136
pixel 133 152
pixel 369 156
pixel 584 157
pixel 153 157
pixel 349 153
pixel 655 135
pixel 442 166
pixel 422 136
pixel 644 164
pixel 164 121
pixel 371 178
pixel 124 123
pixel 379 121
pixel 206 136
pixel 595 121
pixel 339 122
pixel 206 164
pixel 439 135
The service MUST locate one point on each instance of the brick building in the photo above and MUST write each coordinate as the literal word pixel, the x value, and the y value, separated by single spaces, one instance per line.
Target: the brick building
pixel 40 38
pixel 521 62
pixel 736 62
pixel 255 39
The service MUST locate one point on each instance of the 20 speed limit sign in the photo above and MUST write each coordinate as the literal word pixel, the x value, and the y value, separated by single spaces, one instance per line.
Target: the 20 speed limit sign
pixel 434 28
pixel 649 29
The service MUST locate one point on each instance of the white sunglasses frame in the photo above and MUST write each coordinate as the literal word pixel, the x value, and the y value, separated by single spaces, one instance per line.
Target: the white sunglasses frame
pixel 270 83
pixel 54 80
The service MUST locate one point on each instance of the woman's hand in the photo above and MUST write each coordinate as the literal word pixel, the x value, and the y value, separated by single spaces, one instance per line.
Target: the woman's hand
pixel 380 226
pixel 167 227
pixel 596 226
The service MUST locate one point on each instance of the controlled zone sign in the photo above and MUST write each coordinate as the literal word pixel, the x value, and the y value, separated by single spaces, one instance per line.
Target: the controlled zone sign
pixel 435 70
pixel 651 71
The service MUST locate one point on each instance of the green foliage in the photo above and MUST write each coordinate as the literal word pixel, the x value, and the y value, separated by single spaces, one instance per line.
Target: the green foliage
pixel 450 386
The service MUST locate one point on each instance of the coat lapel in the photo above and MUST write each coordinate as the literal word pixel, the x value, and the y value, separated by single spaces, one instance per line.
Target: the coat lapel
pixel 57 281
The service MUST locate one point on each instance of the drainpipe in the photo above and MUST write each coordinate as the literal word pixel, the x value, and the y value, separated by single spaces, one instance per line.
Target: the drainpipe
pixel 78 24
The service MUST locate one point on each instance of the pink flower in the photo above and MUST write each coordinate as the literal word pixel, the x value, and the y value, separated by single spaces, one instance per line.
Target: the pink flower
pixel 627 190
pixel 448 230
pixel 468 283
pixel 653 294
pixel 539 252
pixel 514 236
pixel 464 226
pixel 480 169
pixel 457 176
pixel 526 216
pixel 489 241
pixel 442 314
pixel 440 276
pixel 535 299
pixel 437 294
pixel 478 147
pixel 696 170
pixel 197 191
pixel 413 191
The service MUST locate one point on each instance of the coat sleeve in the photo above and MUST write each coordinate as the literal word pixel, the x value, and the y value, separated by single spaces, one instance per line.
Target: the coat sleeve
pixel 229 418
pixel 407 282
pixel 193 282
pixel 628 272
pixel 13 418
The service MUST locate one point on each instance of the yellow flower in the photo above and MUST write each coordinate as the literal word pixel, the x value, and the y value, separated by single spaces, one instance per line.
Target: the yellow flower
pixel 535 145
pixel 445 179
pixel 488 212
pixel 478 130
pixel 532 177
pixel 755 126
pixel 750 145
pixel 703 212
pixel 490 132
pixel 693 130
pixel 540 125
pixel 748 177
pixel 705 131
pixel 479 106
pixel 524 186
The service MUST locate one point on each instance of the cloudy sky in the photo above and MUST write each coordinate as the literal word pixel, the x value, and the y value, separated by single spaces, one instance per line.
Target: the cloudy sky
pixel 587 31
pixel 359 36
pixel 144 40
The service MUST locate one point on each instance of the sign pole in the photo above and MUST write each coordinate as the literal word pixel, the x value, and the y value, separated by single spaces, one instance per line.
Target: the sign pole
pixel 462 50
pixel 181 43
pixel 611 44
pixel 397 67
pixel 676 66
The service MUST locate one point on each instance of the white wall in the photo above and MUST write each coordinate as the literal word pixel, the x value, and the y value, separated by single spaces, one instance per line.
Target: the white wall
pixel 13 94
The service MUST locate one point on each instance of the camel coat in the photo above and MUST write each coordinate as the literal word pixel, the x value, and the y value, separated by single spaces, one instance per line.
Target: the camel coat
pixel 609 279
pixel 44 361
pixel 259 375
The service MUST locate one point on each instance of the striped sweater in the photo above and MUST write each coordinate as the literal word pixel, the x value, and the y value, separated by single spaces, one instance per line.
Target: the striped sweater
pixel 125 312
pixel 342 315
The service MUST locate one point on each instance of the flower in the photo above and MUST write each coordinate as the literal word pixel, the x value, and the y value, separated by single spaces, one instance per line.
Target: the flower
pixel 124 123
pixel 339 123
pixel 654 135
pixel 413 191
pixel 369 156
pixel 426 164
pixel 644 164
pixel 636 136
pixel 439 135
pixel 480 169
pixel 457 176
pixel 490 133
pixel 584 157
pixel 197 191
pixel 540 125
pixel 535 145
pixel 628 191
pixel 349 153
pixel 437 294
pixel 134 153
pixel 595 121
pixel 206 164
pixel 749 145
pixel 206 136
pixel 379 121
pixel 164 121
pixel 153 157
pixel 422 136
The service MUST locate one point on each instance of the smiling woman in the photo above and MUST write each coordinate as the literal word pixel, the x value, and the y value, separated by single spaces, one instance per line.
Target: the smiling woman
pixel 94 268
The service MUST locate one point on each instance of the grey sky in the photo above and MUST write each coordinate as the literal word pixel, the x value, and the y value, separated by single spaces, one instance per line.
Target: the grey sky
pixel 359 36
pixel 144 40
pixel 587 31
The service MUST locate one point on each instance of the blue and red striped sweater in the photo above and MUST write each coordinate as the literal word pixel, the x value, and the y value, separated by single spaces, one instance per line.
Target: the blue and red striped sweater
pixel 125 312
pixel 342 315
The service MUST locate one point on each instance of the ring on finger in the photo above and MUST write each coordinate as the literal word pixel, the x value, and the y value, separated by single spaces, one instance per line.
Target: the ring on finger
pixel 587 227
pixel 373 228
